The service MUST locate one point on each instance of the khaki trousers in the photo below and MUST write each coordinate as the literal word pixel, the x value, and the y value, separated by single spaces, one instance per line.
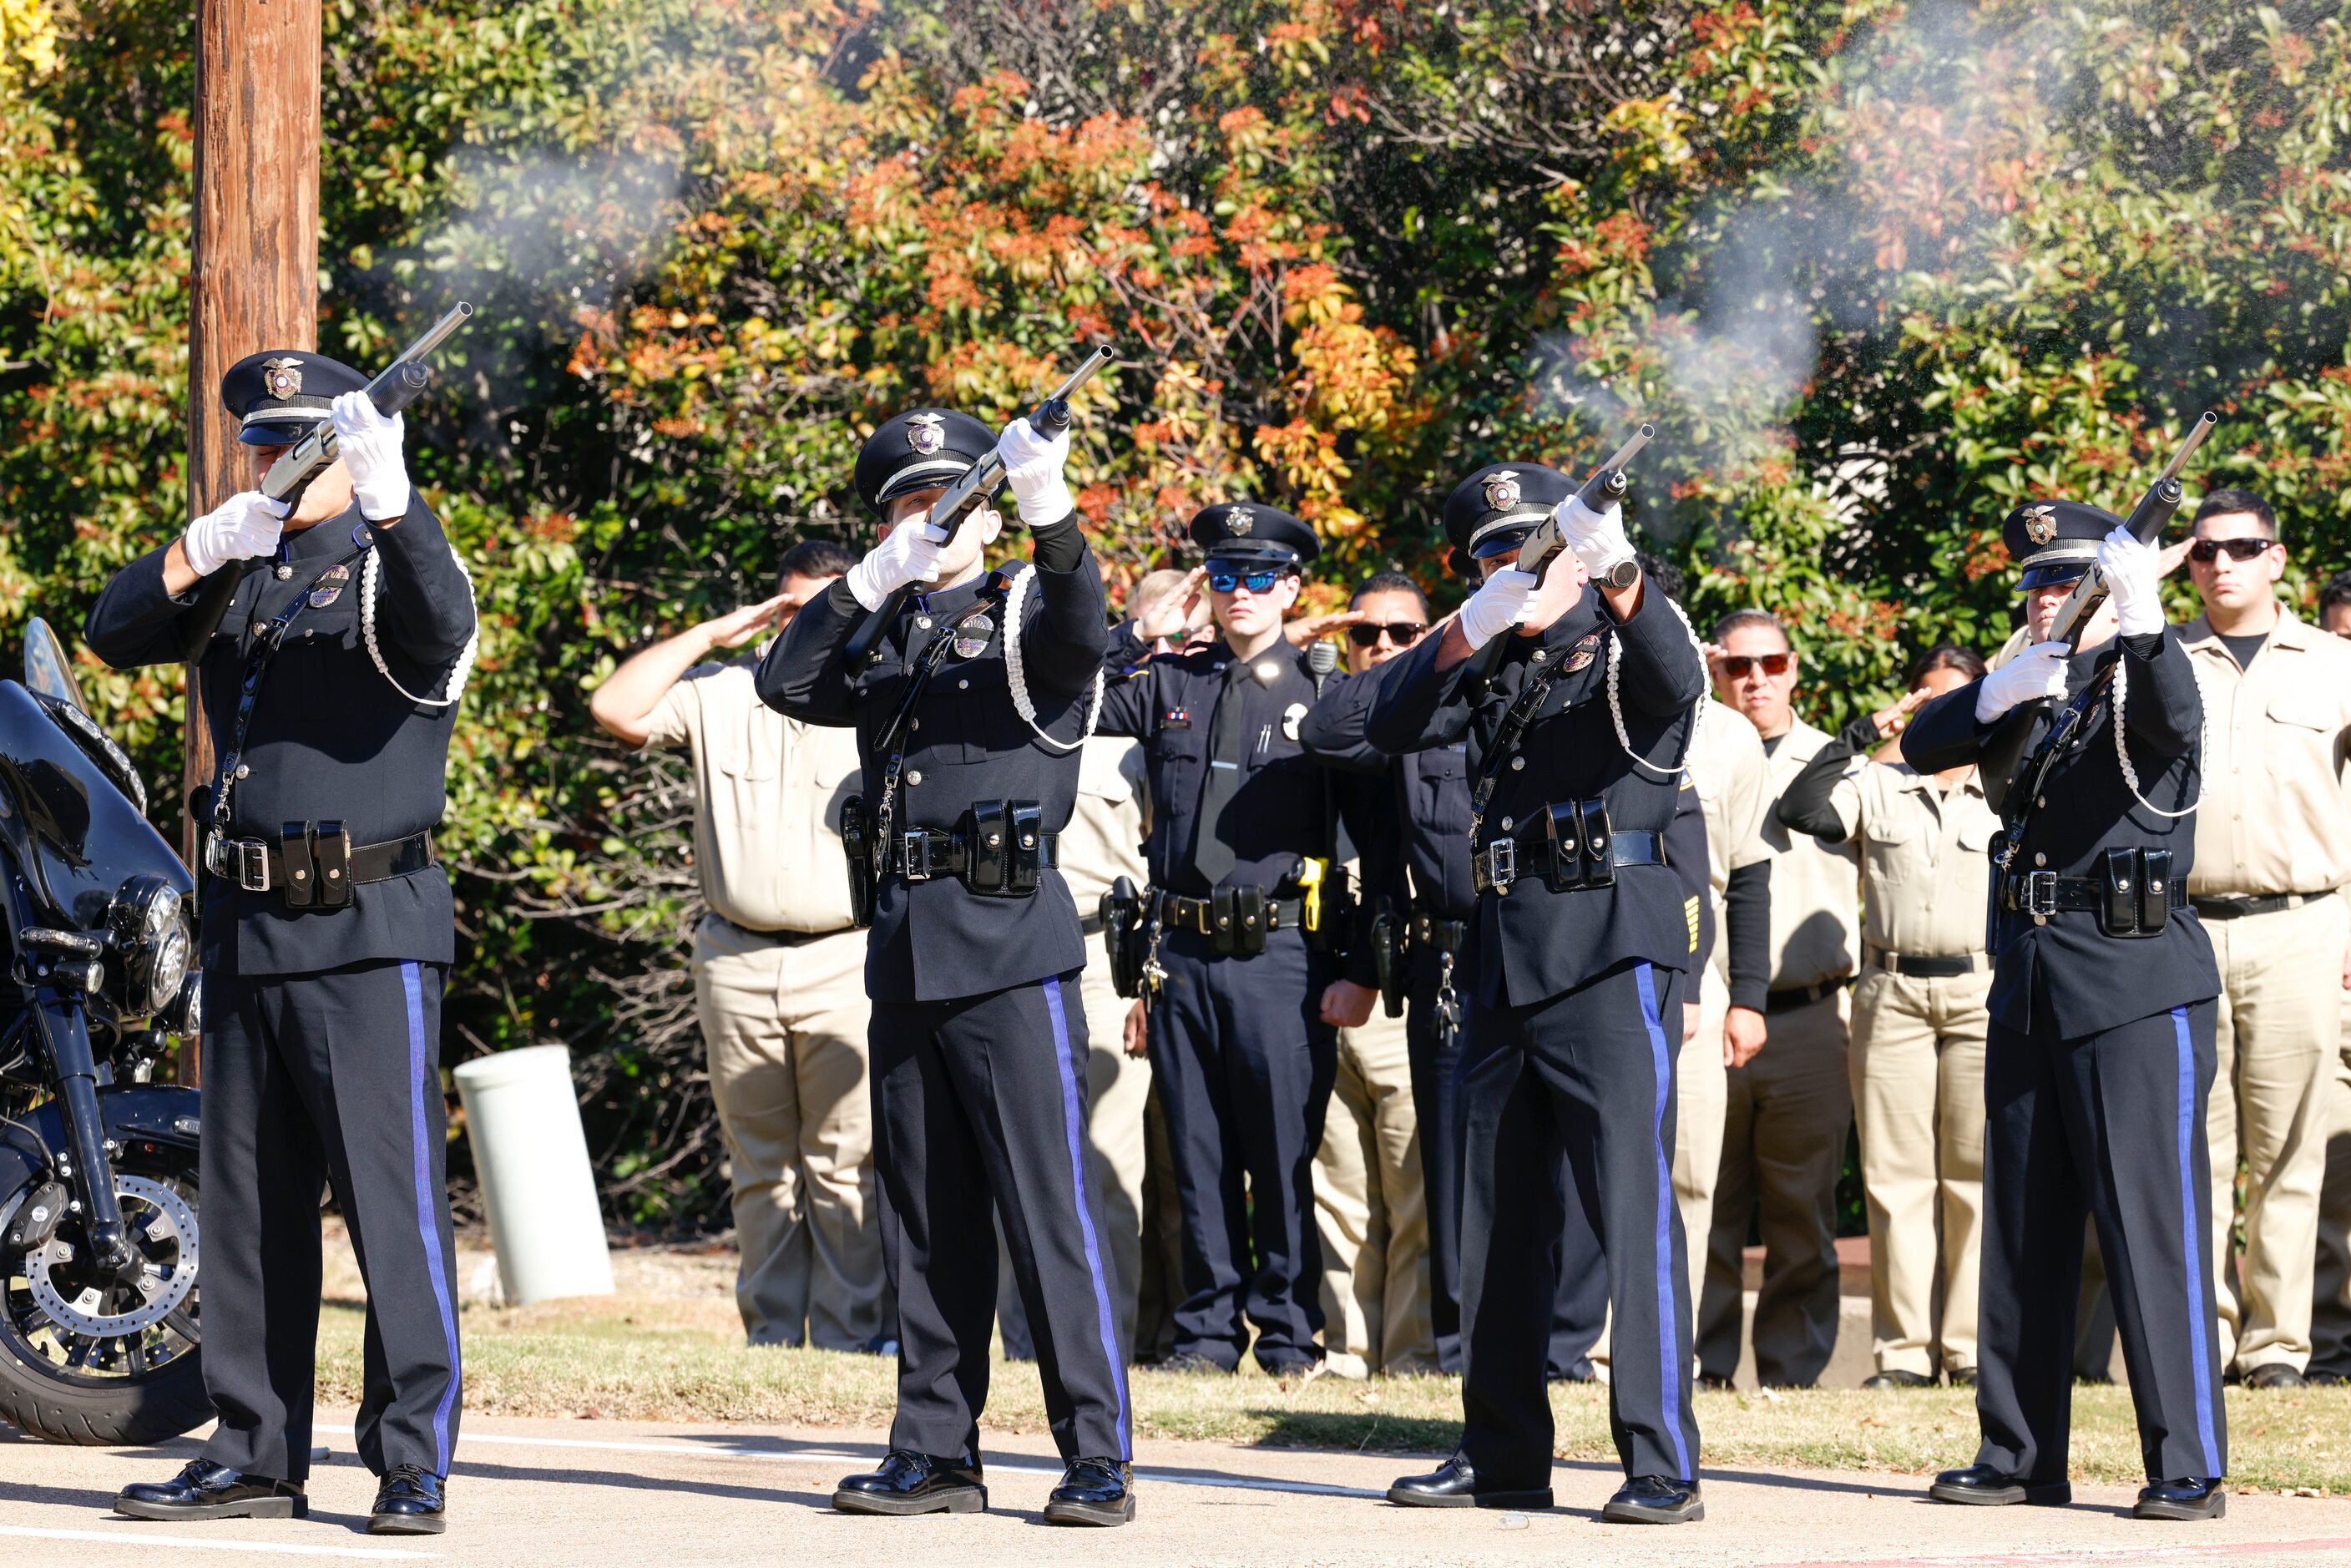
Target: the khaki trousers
pixel 1784 1126
pixel 1370 1211
pixel 1118 1086
pixel 785 1026
pixel 1918 1106
pixel 2281 1025
pixel 2330 1326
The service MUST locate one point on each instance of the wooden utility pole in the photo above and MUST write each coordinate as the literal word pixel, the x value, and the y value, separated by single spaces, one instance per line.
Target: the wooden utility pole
pixel 255 282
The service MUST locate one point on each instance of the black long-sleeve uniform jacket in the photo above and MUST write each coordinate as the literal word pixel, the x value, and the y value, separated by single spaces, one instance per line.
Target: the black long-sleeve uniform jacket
pixel 330 739
pixel 1534 944
pixel 936 940
pixel 2093 981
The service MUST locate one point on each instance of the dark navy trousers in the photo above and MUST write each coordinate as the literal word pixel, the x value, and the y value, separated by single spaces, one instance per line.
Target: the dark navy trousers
pixel 1243 1066
pixel 2110 1124
pixel 979 1119
pixel 1586 1076
pixel 309 1077
pixel 1436 1099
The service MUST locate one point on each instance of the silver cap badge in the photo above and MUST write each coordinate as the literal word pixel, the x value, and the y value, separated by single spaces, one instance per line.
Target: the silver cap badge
pixel 924 432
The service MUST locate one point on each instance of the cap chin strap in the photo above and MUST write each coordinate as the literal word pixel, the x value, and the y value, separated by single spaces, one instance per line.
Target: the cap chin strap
pixel 1017 677
pixel 1617 705
pixel 458 672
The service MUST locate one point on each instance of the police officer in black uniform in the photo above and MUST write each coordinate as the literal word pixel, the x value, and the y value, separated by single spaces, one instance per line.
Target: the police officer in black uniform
pixel 1243 837
pixel 1577 743
pixel 2100 1054
pixel 326 931
pixel 970 715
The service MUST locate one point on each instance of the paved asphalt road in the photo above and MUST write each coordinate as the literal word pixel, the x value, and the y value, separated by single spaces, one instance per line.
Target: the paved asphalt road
pixel 659 1496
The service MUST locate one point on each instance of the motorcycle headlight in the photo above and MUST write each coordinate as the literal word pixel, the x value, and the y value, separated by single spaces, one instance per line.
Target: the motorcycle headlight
pixel 151 944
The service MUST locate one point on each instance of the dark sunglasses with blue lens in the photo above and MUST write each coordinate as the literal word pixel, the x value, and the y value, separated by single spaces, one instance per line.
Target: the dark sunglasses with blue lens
pixel 1224 577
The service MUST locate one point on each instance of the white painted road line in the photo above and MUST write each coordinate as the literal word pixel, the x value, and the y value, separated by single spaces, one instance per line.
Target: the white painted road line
pixel 2183 1552
pixel 131 1535
pixel 1008 1466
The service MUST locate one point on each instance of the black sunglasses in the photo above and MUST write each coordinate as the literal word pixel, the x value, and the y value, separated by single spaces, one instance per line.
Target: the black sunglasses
pixel 1403 633
pixel 1258 580
pixel 2204 551
pixel 1734 666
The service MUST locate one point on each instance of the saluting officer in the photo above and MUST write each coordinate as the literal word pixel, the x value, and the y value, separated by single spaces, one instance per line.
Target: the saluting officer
pixel 1584 938
pixel 2099 1056
pixel 327 929
pixel 969 716
pixel 1242 919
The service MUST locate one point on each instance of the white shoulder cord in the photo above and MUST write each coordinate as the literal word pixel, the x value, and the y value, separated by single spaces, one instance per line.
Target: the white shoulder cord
pixel 2122 749
pixel 369 572
pixel 1616 706
pixel 1023 703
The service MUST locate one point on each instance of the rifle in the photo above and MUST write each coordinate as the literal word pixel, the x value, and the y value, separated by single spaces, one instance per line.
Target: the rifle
pixel 974 490
pixel 2003 758
pixel 1606 487
pixel 401 383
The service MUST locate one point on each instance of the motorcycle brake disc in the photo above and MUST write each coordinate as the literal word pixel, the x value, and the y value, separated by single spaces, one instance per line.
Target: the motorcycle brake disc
pixel 159 1292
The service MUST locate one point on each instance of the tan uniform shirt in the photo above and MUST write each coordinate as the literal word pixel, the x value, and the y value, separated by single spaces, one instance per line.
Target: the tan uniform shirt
pixel 1104 839
pixel 1926 876
pixel 768 795
pixel 1815 891
pixel 1733 780
pixel 2275 815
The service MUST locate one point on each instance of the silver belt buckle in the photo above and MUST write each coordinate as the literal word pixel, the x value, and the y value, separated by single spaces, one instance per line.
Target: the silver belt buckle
pixel 2040 895
pixel 252 864
pixel 1499 862
pixel 914 854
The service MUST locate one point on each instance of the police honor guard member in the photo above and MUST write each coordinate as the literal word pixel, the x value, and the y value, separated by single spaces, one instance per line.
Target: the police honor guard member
pixel 327 929
pixel 2100 1054
pixel 969 717
pixel 1244 825
pixel 1577 745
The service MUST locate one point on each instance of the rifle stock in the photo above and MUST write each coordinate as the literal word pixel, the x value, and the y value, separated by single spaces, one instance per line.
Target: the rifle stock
pixel 974 490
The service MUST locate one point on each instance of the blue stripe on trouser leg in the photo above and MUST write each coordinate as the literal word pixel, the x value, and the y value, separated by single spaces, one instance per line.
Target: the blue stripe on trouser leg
pixel 1669 1369
pixel 1072 1119
pixel 2193 1237
pixel 423 1076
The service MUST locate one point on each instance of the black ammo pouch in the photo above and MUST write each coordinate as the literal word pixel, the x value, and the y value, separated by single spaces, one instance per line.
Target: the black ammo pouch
pixel 318 864
pixel 1240 917
pixel 857 843
pixel 2136 884
pixel 1581 847
pixel 1390 961
pixel 1005 849
pixel 1123 937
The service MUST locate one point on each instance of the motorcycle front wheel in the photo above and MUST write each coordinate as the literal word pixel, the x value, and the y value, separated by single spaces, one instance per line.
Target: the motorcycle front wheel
pixel 92 1361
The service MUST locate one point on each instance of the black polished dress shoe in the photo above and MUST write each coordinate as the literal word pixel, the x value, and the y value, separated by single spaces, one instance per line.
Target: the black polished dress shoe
pixel 1960 1377
pixel 2276 1374
pixel 909 1482
pixel 1288 1363
pixel 1987 1488
pixel 1092 1491
pixel 1655 1500
pixel 1454 1484
pixel 412 1502
pixel 2181 1500
pixel 1192 1361
pixel 1896 1378
pixel 206 1490
pixel 2323 1377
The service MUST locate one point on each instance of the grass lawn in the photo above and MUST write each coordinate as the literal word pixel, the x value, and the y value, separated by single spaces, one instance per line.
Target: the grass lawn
pixel 668 1347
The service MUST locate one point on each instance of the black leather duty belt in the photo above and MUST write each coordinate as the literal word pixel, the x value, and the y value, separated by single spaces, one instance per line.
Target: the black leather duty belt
pixel 2042 893
pixel 2229 906
pixel 1570 861
pixel 1929 966
pixel 1439 932
pixel 921 854
pixel 1231 912
pixel 316 864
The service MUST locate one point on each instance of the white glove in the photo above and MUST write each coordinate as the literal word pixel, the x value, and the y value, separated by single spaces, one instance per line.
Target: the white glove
pixel 245 525
pixel 908 556
pixel 1595 538
pixel 369 445
pixel 2037 672
pixel 2132 570
pixel 1033 468
pixel 1500 604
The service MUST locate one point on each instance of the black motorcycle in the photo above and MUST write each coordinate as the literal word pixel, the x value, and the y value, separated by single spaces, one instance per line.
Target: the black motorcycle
pixel 98 1164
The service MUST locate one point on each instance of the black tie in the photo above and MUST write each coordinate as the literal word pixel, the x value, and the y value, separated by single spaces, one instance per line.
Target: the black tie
pixel 1212 857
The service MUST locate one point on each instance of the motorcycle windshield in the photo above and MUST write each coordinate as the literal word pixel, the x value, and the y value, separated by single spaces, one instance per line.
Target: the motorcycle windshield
pixel 76 836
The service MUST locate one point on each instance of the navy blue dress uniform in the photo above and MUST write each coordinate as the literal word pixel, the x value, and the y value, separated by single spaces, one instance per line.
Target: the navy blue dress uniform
pixel 1575 1017
pixel 1241 1058
pixel 2099 1059
pixel 326 931
pixel 979 1042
